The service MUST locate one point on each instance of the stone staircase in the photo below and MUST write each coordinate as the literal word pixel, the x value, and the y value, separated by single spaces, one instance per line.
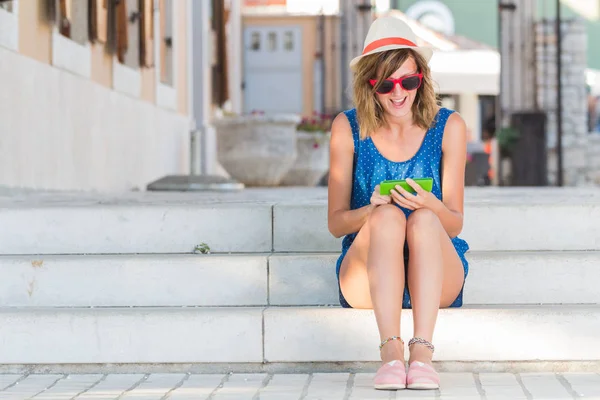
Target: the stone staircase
pixel 111 282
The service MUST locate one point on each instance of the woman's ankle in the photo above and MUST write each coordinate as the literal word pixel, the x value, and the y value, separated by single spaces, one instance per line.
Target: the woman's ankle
pixel 420 353
pixel 392 351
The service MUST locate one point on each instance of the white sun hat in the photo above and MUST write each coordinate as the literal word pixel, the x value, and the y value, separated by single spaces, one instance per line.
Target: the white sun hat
pixel 390 33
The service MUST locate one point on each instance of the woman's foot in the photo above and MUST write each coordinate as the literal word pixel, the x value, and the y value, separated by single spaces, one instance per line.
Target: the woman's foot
pixel 421 374
pixel 392 374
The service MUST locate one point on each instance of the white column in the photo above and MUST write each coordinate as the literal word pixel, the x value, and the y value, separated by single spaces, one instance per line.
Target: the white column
pixel 469 109
pixel 234 55
pixel 201 86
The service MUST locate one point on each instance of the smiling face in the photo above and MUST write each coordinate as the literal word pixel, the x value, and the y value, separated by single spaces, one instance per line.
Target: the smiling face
pixel 413 100
pixel 398 103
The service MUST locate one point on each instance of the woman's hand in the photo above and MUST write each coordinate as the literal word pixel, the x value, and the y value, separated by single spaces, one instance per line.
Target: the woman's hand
pixel 378 199
pixel 422 199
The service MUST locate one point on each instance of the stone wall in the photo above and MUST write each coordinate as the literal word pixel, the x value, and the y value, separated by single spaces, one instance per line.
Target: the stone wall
pixel 593 159
pixel 578 162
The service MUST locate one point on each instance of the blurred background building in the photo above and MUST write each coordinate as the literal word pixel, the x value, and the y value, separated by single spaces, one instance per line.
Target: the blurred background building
pixel 114 94
pixel 94 94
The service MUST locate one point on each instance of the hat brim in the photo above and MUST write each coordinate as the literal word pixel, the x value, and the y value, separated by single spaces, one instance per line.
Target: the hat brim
pixel 426 52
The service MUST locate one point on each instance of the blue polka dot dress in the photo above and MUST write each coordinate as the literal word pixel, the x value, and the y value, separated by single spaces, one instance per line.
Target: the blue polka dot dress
pixel 370 168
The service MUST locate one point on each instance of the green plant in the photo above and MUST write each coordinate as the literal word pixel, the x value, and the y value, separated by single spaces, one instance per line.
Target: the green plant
pixel 507 139
pixel 202 248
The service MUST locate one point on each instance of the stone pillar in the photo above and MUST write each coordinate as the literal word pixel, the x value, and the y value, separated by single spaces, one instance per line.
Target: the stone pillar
pixel 469 109
pixel 202 58
pixel 235 55
pixel 356 19
pixel 574 117
pixel 517 53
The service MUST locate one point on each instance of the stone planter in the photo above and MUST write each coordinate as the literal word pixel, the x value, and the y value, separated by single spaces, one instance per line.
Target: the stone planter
pixel 312 162
pixel 257 150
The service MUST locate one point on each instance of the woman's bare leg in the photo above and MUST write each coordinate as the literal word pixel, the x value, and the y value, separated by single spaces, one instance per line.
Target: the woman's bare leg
pixel 435 276
pixel 372 273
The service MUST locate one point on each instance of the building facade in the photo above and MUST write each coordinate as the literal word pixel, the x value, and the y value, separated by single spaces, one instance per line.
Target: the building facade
pixel 94 94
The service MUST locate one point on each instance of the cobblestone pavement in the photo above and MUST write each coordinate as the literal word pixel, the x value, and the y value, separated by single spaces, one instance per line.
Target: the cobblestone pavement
pixel 456 386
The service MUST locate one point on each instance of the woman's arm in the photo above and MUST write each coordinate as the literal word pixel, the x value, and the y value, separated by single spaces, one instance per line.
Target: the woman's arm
pixel 340 219
pixel 454 157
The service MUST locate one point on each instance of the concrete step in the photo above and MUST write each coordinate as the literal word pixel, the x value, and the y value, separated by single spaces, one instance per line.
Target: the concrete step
pixel 287 335
pixel 559 277
pixel 521 224
pixel 133 280
pixel 127 229
pixel 272 279
pixel 280 220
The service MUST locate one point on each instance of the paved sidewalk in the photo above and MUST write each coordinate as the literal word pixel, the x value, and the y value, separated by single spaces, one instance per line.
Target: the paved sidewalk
pixel 455 386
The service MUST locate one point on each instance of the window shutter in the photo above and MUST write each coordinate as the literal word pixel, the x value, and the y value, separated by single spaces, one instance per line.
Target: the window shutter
pixel 64 17
pixel 6 5
pixel 48 10
pixel 146 34
pixel 79 15
pixel 121 22
pixel 99 20
pixel 166 41
pixel 220 88
pixel 132 55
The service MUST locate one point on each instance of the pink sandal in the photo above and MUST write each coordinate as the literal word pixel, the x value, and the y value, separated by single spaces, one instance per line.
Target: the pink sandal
pixel 421 375
pixel 391 375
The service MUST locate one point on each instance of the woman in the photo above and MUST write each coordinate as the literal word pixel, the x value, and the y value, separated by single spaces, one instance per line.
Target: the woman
pixel 397 131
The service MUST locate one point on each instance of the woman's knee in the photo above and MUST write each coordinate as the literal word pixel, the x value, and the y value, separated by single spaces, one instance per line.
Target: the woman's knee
pixel 387 217
pixel 421 220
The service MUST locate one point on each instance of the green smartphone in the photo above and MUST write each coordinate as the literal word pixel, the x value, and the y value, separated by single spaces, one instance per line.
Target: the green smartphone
pixel 386 186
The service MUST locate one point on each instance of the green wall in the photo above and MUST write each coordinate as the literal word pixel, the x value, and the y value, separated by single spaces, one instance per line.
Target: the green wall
pixel 478 20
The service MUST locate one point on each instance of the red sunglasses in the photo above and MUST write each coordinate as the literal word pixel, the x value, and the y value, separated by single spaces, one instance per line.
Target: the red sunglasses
pixel 409 82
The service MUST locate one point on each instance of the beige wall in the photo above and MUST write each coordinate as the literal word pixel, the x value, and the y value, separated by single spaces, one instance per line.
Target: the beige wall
pixel 310 46
pixel 102 65
pixel 95 137
pixel 149 85
pixel 35 35
pixel 35 41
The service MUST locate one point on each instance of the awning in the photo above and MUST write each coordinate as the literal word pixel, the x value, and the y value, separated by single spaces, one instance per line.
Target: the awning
pixel 466 71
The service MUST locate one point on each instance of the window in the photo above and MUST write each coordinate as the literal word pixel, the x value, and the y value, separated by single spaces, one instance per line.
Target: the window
pixel 272 40
pixel 73 20
pixel 128 32
pixel 7 5
pixel 166 42
pixel 288 41
pixel 255 41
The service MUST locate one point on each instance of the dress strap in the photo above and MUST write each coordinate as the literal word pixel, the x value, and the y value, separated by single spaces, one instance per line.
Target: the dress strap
pixel 442 118
pixel 440 125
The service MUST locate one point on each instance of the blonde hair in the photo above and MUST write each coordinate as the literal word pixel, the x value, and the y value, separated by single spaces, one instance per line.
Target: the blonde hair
pixel 379 66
